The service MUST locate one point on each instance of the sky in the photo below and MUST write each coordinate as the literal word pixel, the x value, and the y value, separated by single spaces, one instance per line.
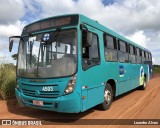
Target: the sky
pixel 137 20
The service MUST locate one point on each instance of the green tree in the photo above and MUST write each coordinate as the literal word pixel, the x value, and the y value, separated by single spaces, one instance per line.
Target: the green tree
pixel 15 56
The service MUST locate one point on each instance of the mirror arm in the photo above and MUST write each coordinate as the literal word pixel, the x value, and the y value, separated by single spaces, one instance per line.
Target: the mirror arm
pixel 83 27
pixel 14 37
pixel 11 42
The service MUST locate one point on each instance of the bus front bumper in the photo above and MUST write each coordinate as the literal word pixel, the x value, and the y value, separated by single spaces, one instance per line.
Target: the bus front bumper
pixel 68 103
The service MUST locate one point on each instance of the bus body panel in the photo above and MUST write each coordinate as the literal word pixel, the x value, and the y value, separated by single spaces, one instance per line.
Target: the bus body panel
pixel 91 83
pixel 30 90
pixel 68 103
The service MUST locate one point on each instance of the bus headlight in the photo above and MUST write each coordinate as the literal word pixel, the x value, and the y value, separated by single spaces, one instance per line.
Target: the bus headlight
pixel 70 86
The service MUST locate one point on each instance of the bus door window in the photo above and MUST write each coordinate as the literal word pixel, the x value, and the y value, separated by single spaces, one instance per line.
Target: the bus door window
pixel 90 54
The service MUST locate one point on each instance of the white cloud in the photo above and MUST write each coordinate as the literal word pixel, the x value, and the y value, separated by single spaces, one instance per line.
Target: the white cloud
pixel 31 7
pixel 3 45
pixel 11 29
pixel 139 38
pixel 125 16
pixel 129 16
pixel 56 7
pixel 5 32
pixel 6 58
pixel 11 11
pixel 156 60
pixel 5 55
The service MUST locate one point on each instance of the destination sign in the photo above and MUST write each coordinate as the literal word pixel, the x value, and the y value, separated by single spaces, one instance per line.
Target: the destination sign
pixel 50 23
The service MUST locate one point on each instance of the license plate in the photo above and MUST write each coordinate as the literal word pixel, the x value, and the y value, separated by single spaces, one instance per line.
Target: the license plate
pixel 37 102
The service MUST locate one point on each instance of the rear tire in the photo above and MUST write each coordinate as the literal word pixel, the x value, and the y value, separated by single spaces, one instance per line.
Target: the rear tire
pixel 108 98
pixel 144 85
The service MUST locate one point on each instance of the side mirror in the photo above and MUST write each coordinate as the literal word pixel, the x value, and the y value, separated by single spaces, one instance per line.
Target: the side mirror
pixel 11 41
pixel 10 45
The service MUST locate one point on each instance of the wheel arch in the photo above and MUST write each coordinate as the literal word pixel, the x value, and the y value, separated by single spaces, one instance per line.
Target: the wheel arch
pixel 145 77
pixel 113 85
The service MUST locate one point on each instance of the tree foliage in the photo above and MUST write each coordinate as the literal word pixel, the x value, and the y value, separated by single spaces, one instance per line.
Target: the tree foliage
pixel 15 56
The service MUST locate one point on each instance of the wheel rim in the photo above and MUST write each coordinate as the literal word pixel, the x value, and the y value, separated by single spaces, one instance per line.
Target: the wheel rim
pixel 107 96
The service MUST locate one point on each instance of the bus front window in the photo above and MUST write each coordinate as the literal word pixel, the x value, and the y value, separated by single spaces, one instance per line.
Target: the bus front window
pixel 47 55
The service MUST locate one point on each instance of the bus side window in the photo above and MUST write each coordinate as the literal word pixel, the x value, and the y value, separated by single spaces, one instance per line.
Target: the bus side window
pixel 123 51
pixel 143 57
pixel 139 59
pixel 150 58
pixel 110 48
pixel 147 59
pixel 90 54
pixel 132 57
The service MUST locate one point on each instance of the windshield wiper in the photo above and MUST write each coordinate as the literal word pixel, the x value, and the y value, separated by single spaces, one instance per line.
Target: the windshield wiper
pixel 54 37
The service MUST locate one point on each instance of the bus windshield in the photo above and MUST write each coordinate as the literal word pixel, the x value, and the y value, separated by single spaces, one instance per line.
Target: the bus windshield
pixel 48 55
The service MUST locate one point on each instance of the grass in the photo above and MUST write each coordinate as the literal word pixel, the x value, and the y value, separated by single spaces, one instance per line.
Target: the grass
pixel 7 81
pixel 156 69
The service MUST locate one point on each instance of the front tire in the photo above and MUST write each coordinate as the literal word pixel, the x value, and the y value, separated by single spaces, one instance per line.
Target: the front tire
pixel 108 98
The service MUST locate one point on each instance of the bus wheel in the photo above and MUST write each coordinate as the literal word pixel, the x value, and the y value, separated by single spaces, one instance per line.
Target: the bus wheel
pixel 108 98
pixel 144 85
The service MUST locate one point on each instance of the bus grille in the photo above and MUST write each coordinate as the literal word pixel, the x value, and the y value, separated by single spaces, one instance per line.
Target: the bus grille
pixel 42 94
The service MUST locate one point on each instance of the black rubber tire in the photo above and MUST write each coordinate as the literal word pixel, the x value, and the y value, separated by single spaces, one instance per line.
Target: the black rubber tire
pixel 104 106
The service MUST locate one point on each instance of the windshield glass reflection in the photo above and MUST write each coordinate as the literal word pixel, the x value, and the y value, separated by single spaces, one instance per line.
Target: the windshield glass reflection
pixel 48 55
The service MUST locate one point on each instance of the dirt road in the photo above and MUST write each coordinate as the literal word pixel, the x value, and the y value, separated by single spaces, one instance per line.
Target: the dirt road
pixel 136 104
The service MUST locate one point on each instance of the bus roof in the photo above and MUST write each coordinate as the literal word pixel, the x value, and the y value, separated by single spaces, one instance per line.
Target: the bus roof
pixel 95 24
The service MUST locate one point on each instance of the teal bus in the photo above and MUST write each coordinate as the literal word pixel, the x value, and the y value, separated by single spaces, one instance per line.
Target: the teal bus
pixel 71 63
